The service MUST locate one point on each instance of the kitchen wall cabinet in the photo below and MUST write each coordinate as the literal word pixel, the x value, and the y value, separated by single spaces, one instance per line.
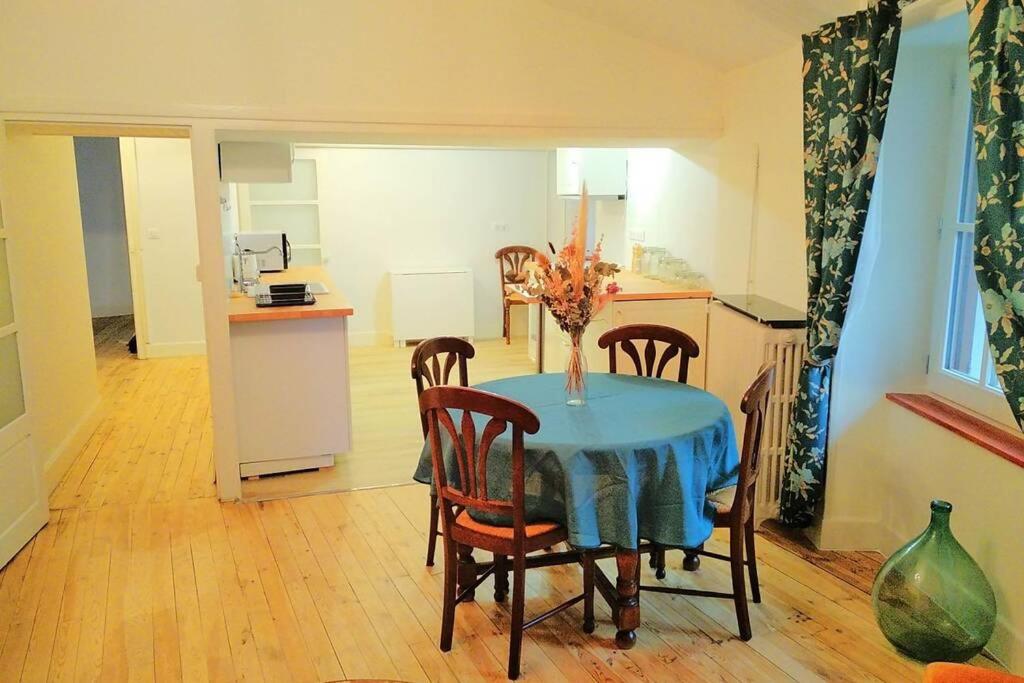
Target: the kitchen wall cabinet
pixel 603 170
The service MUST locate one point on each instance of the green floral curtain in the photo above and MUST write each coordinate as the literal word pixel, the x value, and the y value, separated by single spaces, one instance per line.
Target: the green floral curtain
pixel 848 70
pixel 997 84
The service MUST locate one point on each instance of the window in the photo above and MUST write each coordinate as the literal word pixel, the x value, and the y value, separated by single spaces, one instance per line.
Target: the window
pixel 960 367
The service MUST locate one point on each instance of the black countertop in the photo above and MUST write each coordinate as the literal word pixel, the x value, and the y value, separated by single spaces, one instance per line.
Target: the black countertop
pixel 765 311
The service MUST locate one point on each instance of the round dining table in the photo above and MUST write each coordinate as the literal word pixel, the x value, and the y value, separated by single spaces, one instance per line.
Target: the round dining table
pixel 633 464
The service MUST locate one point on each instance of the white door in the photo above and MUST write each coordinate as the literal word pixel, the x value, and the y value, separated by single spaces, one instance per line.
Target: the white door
pixel 23 500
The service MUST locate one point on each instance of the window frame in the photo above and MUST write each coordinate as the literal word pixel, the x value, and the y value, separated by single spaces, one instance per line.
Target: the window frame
pixel 972 394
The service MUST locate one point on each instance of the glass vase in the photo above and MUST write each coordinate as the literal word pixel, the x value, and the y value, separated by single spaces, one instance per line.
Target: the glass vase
pixel 931 599
pixel 576 372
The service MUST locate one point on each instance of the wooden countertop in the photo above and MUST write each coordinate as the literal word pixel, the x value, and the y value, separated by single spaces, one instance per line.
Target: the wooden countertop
pixel 635 287
pixel 243 309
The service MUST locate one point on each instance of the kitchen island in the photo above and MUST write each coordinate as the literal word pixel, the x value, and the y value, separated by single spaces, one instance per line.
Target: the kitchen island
pixel 291 377
pixel 640 300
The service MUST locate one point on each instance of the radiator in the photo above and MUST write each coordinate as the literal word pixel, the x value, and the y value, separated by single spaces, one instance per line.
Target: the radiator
pixel 786 352
pixel 737 346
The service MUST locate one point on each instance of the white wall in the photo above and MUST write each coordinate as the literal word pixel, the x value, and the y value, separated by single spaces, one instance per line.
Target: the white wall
pixel 170 251
pixel 885 463
pixel 671 198
pixel 521 63
pixel 51 296
pixel 763 117
pixel 384 209
pixel 98 161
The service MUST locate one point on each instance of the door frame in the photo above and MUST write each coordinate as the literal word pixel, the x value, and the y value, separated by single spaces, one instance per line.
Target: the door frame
pixel 133 227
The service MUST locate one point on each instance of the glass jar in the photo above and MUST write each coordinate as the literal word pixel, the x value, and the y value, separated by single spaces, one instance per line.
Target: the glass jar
pixel 652 260
pixel 931 599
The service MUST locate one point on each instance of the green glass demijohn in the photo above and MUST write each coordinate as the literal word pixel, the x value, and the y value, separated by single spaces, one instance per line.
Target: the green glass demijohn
pixel 931 599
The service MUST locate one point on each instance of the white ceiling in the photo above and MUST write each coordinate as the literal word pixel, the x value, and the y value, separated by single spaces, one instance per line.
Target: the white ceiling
pixel 722 33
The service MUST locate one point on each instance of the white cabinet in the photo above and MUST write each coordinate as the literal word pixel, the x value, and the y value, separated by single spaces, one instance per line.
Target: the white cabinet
pixel 255 162
pixel 603 170
pixel 291 207
pixel 688 315
pixel 429 303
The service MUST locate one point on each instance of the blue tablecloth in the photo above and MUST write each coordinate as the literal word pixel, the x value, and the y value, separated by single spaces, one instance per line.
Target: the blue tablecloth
pixel 634 463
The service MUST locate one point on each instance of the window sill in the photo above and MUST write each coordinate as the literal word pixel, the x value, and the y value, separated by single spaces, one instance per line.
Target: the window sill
pixel 999 440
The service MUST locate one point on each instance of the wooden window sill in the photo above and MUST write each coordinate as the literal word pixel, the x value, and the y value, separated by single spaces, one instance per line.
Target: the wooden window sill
pixel 992 437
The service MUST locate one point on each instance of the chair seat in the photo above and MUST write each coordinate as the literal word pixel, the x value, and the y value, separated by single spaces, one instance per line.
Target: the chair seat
pixel 538 534
pixel 722 499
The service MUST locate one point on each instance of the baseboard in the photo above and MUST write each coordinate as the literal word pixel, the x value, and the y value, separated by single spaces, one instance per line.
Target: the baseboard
pixel 851 533
pixel 58 462
pixel 371 338
pixel 173 349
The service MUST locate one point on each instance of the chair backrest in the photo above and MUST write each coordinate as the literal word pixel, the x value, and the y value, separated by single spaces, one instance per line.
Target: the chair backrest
pixel 429 370
pixel 470 450
pixel 511 261
pixel 677 343
pixel 754 405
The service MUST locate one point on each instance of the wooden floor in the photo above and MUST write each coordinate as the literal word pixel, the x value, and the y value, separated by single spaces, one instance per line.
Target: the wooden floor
pixel 142 575
pixel 387 436
pixel 154 441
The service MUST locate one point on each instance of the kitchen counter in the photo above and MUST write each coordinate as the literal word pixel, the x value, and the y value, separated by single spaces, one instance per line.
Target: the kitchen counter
pixel 634 287
pixel 765 311
pixel 334 304
pixel 292 381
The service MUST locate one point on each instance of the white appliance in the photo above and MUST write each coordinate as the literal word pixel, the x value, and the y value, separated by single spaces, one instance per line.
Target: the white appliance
pixel 742 335
pixel 432 302
pixel 271 249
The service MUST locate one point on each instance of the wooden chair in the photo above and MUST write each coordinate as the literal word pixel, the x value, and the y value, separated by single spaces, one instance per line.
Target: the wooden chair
pixel 428 370
pixel 511 263
pixel 461 533
pixel 734 507
pixel 677 343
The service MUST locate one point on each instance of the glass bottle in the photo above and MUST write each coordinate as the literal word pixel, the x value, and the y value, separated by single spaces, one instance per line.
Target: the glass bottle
pixel 931 599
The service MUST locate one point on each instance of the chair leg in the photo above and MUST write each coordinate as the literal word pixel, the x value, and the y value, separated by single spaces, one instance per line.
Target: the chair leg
pixel 657 561
pixel 506 323
pixel 739 583
pixel 588 593
pixel 515 645
pixel 755 587
pixel 500 577
pixel 448 604
pixel 432 537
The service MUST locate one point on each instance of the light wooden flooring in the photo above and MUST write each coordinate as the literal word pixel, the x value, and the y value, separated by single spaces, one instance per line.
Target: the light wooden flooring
pixel 333 586
pixel 142 575
pixel 154 440
pixel 386 432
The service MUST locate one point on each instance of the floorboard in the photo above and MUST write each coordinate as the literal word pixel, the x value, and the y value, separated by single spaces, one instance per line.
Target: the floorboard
pixel 143 575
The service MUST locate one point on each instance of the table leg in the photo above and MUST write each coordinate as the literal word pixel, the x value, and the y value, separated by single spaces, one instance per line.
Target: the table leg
pixel 467 570
pixel 691 561
pixel 628 587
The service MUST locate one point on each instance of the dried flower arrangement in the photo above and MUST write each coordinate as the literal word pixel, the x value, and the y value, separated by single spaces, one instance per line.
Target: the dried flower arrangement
pixel 571 286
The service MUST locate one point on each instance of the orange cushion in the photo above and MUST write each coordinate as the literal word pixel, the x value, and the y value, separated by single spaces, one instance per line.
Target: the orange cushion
pixel 943 672
pixel 532 530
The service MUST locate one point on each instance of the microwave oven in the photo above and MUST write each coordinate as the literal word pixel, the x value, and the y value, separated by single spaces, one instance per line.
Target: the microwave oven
pixel 271 249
